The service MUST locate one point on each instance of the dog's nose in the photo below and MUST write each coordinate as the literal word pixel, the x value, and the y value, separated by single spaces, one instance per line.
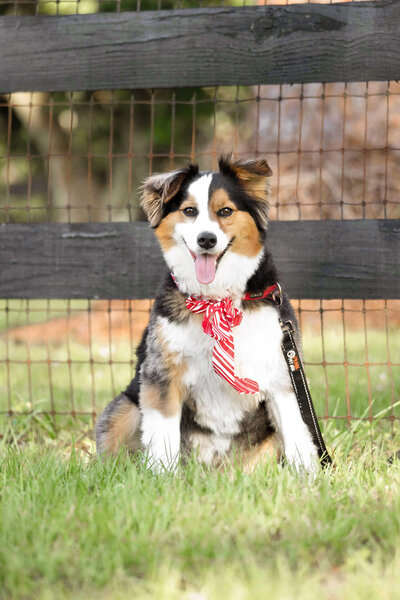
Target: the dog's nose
pixel 206 240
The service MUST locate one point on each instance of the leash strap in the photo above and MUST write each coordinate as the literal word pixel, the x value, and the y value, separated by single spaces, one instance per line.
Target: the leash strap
pixel 302 392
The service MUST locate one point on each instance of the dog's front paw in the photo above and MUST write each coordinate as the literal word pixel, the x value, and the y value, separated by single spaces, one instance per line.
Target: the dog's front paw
pixel 303 458
pixel 161 441
pixel 161 462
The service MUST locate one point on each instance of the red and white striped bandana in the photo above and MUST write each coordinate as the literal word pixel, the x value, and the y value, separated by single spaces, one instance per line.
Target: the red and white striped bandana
pixel 219 318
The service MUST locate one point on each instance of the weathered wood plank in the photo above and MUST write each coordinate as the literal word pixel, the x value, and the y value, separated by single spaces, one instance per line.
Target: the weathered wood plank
pixel 317 259
pixel 202 47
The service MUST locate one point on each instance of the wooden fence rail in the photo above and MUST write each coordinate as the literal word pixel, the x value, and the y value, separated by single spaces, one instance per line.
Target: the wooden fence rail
pixel 317 259
pixel 202 47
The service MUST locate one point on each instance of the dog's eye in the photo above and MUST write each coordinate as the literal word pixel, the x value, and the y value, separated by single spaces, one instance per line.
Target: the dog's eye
pixel 225 212
pixel 190 211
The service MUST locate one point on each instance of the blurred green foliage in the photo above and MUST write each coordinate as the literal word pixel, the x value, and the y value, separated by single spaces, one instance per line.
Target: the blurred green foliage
pixel 69 151
pixel 82 155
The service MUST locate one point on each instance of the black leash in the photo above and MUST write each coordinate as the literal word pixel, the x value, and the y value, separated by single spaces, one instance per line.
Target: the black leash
pixel 297 375
pixel 302 392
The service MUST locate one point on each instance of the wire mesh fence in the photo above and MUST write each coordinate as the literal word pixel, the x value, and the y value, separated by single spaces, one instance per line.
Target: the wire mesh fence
pixel 80 157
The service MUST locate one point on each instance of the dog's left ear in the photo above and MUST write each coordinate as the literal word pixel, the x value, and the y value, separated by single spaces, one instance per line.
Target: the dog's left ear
pixel 252 174
pixel 159 189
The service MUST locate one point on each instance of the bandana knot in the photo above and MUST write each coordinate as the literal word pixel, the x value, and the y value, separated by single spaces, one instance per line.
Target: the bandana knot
pixel 219 318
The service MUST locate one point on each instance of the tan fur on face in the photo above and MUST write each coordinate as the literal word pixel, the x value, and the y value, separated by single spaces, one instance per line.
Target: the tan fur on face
pixel 124 428
pixel 189 201
pixel 239 225
pixel 220 199
pixel 165 230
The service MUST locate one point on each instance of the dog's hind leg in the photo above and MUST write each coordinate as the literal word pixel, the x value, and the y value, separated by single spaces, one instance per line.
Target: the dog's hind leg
pixel 118 426
pixel 268 451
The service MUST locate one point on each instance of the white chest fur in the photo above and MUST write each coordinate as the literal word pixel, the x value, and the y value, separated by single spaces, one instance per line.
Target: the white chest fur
pixel 258 355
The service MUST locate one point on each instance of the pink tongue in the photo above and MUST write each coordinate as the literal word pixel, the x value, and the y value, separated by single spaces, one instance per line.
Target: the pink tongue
pixel 205 267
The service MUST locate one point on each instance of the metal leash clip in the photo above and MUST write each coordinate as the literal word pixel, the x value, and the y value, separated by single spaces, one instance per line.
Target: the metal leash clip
pixel 287 326
pixel 277 296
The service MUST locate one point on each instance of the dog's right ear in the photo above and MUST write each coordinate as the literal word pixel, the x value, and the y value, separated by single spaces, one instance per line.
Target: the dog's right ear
pixel 159 189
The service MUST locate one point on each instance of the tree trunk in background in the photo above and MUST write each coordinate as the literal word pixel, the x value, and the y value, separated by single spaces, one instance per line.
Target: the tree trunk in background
pixel 68 184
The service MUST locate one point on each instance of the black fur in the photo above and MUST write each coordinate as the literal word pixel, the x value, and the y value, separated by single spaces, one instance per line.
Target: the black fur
pixel 132 391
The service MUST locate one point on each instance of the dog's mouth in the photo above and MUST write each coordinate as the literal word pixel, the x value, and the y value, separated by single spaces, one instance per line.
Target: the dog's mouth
pixel 206 264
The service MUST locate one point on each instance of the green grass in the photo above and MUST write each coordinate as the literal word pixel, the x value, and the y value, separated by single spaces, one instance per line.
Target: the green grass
pixel 74 529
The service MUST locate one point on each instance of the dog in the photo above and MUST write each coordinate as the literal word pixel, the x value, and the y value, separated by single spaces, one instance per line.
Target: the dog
pixel 211 379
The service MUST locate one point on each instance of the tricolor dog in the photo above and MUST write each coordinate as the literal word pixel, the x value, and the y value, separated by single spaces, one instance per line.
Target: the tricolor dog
pixel 211 379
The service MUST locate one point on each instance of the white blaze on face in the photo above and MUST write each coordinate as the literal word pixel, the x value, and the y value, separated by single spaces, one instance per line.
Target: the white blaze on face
pixel 204 272
pixel 189 231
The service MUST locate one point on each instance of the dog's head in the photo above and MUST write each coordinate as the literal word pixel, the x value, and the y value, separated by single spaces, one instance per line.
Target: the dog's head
pixel 211 226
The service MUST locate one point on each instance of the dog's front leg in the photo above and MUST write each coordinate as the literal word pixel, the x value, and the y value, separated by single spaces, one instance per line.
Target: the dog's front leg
pixel 298 447
pixel 160 426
